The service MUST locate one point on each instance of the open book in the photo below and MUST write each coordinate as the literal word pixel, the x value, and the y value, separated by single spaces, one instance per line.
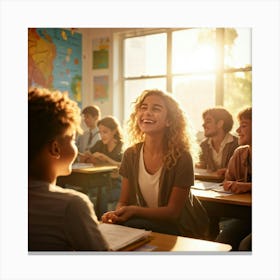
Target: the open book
pixel 118 236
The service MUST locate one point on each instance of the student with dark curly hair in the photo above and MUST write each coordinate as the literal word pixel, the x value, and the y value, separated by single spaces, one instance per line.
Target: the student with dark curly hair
pixel 58 219
pixel 157 171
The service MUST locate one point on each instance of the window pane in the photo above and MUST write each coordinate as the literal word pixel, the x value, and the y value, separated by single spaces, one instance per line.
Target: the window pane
pixel 134 88
pixel 238 92
pixel 193 50
pixel 145 55
pixel 237 47
pixel 195 94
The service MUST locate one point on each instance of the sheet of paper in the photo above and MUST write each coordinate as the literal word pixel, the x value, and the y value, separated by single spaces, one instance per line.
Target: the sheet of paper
pixel 219 188
pixel 202 185
pixel 77 165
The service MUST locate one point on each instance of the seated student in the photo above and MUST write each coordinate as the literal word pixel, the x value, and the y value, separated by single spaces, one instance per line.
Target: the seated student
pixel 58 219
pixel 219 144
pixel 108 150
pixel 88 139
pixel 238 179
pixel 157 171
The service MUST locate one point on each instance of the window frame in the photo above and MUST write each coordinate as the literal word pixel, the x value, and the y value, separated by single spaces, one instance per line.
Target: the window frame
pixel 218 73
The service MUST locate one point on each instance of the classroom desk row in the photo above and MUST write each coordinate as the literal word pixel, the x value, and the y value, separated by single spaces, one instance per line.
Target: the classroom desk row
pixel 221 205
pixel 216 204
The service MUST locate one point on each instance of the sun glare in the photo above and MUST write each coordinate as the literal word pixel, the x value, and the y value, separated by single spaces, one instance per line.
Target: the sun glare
pixel 199 59
pixel 203 58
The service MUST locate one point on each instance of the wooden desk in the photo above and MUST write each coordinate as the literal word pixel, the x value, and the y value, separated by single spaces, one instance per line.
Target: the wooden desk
pixel 204 175
pixel 82 179
pixel 171 243
pixel 219 205
pixel 96 169
pixel 244 199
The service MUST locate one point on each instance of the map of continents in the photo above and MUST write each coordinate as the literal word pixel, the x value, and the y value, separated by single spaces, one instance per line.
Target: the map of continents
pixel 54 60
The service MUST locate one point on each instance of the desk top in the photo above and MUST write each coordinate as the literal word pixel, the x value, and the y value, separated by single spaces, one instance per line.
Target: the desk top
pixel 244 199
pixel 204 175
pixel 95 169
pixel 171 243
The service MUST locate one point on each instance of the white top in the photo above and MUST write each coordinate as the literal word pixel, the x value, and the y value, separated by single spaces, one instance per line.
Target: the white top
pixel 217 156
pixel 148 183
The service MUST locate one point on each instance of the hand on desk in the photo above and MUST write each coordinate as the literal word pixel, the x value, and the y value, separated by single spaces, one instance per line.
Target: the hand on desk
pixel 85 157
pixel 100 156
pixel 237 187
pixel 118 216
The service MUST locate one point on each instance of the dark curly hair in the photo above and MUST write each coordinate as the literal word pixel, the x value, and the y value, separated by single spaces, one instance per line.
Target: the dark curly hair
pixel 50 113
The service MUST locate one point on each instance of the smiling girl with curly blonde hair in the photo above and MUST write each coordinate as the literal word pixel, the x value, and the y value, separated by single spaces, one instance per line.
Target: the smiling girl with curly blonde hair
pixel 157 171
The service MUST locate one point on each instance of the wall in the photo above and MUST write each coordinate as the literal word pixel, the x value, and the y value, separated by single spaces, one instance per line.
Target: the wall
pixel 111 106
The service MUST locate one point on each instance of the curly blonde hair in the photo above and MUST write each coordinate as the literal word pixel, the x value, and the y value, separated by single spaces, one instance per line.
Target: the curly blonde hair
pixel 178 137
pixel 50 113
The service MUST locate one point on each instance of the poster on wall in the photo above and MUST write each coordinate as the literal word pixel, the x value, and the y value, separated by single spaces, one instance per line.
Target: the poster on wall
pixel 100 56
pixel 55 60
pixel 100 88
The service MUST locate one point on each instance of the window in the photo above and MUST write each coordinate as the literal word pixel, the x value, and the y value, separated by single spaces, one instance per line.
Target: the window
pixel 201 67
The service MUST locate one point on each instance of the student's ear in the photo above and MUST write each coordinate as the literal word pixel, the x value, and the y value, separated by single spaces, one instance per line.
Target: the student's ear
pixel 54 149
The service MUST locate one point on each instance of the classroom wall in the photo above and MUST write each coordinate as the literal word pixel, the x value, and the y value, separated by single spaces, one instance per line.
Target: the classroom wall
pixel 109 106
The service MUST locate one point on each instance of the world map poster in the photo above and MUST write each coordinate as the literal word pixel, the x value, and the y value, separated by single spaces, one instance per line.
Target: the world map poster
pixel 55 60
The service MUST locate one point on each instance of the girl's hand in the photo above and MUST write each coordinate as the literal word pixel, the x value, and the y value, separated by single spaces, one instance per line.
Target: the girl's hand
pixel 124 213
pixel 237 187
pixel 100 156
pixel 109 217
pixel 84 157
pixel 227 185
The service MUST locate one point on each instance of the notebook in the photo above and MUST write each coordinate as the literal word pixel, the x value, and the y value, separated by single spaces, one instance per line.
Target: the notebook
pixel 118 236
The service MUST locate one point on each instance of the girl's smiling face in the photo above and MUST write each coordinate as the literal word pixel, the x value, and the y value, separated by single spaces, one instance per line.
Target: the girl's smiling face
pixel 244 132
pixel 107 135
pixel 152 115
